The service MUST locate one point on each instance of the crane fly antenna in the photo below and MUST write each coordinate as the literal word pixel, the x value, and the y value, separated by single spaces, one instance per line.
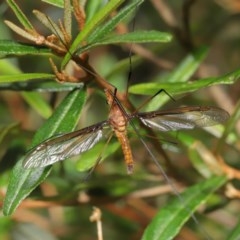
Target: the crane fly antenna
pixel 131 53
pixel 130 72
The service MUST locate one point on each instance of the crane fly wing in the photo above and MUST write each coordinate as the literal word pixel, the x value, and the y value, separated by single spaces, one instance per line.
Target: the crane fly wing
pixel 64 146
pixel 183 118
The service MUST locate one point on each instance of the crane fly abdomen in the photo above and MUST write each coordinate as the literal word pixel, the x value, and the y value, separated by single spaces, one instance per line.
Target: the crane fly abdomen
pixel 119 121
pixel 127 152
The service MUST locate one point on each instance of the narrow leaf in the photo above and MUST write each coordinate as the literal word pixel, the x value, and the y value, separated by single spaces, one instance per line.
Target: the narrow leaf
pixel 56 3
pixel 14 74
pixel 88 159
pixel 48 23
pixel 25 77
pixel 25 34
pixel 101 15
pixel 184 87
pixel 20 15
pixel 7 67
pixel 23 181
pixel 8 47
pixel 133 37
pixel 40 86
pixel 102 31
pixel 37 103
pixel 92 7
pixel 170 219
pixel 188 66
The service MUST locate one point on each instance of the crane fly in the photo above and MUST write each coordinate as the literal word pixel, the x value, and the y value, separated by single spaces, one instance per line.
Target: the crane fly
pixel 67 145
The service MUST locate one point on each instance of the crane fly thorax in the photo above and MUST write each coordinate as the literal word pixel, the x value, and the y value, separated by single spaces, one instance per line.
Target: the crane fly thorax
pixel 117 118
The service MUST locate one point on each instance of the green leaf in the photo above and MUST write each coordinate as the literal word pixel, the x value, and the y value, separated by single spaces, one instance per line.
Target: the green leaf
pixel 56 3
pixel 102 31
pixel 170 219
pixel 23 181
pixel 133 37
pixel 92 7
pixel 24 77
pixel 40 86
pixel 36 101
pixel 7 67
pixel 20 15
pixel 101 15
pixel 42 82
pixel 8 47
pixel 88 159
pixel 183 87
pixel 188 66
pixel 138 37
pixel 64 118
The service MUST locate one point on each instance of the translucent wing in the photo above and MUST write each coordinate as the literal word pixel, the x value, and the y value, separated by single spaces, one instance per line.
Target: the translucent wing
pixel 64 146
pixel 183 118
